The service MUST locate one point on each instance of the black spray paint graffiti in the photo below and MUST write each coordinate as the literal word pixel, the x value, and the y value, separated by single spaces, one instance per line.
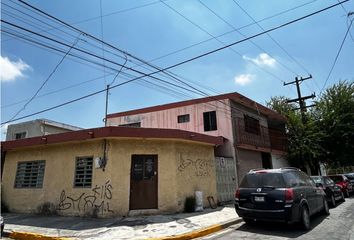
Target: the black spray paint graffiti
pixel 201 166
pixel 98 200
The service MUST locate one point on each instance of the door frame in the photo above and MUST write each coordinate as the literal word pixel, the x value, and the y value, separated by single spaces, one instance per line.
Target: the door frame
pixel 155 156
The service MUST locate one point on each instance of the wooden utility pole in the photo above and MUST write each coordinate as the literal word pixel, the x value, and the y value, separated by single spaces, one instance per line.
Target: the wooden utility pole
pixel 300 99
pixel 106 112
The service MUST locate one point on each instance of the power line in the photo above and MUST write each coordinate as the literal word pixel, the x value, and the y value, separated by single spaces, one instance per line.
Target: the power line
pixel 175 51
pixel 253 43
pixel 275 41
pixel 164 89
pixel 96 39
pixel 336 58
pixel 270 36
pixel 46 80
pixel 217 39
pixel 183 62
pixel 100 64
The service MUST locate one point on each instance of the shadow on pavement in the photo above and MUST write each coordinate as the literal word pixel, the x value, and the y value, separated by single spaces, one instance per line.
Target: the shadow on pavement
pixel 85 223
pixel 280 229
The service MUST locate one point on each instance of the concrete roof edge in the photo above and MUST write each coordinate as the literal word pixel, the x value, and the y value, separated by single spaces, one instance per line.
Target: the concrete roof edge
pixel 104 132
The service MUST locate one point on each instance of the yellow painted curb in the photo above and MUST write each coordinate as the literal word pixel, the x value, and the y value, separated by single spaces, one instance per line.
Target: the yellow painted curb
pixel 33 236
pixel 199 233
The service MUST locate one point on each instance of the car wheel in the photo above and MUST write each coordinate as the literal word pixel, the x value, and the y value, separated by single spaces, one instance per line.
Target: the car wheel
pixel 346 193
pixel 343 198
pixel 325 207
pixel 333 201
pixel 248 221
pixel 305 218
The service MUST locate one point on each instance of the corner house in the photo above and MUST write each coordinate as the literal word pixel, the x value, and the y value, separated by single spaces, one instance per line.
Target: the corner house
pixel 110 171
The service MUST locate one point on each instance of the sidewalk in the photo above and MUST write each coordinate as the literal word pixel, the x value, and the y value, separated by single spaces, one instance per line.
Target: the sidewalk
pixel 178 226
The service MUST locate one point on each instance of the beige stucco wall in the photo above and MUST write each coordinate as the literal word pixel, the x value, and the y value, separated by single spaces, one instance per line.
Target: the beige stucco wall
pixel 112 186
pixel 195 172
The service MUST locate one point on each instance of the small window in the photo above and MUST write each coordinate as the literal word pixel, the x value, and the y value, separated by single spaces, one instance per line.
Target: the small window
pixel 183 118
pixel 20 135
pixel 209 121
pixel 30 174
pixel 83 172
pixel 137 124
pixel 252 125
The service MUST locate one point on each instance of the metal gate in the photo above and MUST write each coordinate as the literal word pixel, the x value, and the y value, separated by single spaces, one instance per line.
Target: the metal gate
pixel 225 179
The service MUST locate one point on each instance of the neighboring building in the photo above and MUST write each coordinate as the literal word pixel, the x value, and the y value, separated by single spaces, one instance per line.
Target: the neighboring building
pixel 255 134
pixel 38 127
pixel 109 171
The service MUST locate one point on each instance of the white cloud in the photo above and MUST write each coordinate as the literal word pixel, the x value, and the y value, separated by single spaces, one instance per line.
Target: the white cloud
pixel 244 79
pixel 10 71
pixel 262 59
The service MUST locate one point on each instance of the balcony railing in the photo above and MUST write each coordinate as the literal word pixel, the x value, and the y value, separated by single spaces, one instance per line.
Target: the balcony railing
pixel 261 137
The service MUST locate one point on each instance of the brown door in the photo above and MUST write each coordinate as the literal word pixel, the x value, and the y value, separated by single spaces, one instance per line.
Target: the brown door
pixel 143 182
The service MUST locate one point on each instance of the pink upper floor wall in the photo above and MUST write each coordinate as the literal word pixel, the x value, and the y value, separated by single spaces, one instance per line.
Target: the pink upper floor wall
pixel 168 118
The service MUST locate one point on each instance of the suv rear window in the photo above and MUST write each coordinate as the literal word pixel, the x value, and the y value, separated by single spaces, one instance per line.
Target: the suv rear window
pixel 257 180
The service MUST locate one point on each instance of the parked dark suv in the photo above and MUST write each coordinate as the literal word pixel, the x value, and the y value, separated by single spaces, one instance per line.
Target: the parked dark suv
pixel 285 194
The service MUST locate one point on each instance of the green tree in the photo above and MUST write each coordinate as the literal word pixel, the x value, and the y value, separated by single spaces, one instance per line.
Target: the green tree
pixel 304 148
pixel 327 136
pixel 334 114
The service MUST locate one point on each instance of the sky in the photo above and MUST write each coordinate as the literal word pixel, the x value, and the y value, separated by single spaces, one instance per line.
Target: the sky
pixel 44 63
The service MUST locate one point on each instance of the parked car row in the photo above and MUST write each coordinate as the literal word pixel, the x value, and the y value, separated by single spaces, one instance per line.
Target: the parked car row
pixel 332 190
pixel 347 186
pixel 289 195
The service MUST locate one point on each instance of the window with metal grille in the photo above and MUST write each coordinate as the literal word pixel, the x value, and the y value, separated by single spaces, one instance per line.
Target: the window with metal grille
pixel 209 121
pixel 83 172
pixel 183 118
pixel 252 125
pixel 30 174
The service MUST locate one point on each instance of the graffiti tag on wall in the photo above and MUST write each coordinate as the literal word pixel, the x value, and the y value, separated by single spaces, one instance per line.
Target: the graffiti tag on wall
pixel 201 167
pixel 97 200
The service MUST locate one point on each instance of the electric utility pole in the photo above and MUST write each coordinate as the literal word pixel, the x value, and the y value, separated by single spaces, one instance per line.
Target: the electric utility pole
pixel 300 99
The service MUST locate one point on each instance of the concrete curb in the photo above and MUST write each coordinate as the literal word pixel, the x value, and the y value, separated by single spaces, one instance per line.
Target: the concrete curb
pixel 31 236
pixel 201 232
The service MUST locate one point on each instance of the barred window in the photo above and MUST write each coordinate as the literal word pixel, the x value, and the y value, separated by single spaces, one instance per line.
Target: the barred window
pixel 183 118
pixel 30 174
pixel 83 172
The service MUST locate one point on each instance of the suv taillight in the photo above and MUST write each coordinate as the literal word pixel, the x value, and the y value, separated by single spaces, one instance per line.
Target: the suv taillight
pixel 289 195
pixel 237 194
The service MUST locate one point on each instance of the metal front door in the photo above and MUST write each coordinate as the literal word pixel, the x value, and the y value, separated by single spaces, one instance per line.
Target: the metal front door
pixel 225 179
pixel 143 182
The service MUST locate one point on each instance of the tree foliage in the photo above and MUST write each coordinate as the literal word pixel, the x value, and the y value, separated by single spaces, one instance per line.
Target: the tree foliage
pixel 335 116
pixel 327 135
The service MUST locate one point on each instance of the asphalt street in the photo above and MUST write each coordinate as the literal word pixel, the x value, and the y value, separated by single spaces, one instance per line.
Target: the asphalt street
pixel 338 225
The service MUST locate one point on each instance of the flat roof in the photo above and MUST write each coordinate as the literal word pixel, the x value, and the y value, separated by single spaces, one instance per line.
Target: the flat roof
pixel 49 123
pixel 108 132
pixel 245 101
